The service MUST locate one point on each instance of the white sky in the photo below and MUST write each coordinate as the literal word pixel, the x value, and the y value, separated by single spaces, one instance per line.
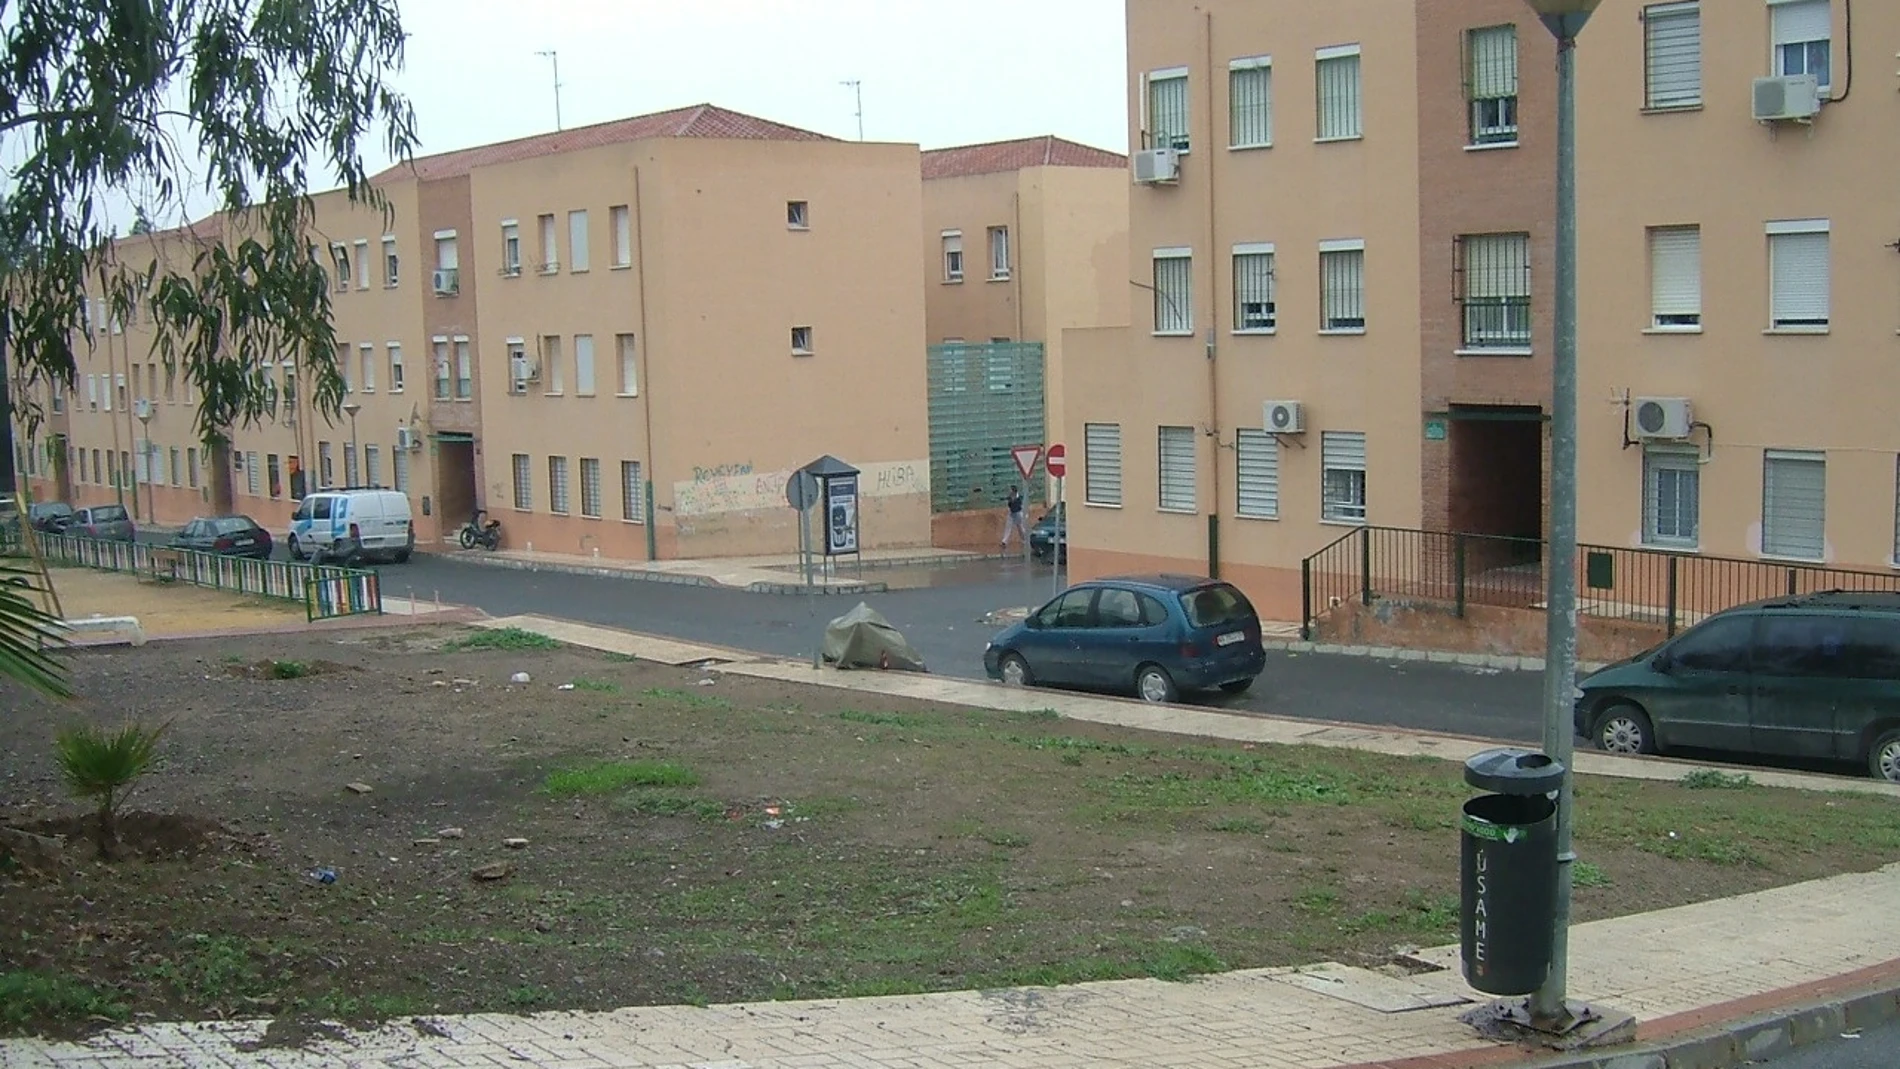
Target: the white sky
pixel 933 72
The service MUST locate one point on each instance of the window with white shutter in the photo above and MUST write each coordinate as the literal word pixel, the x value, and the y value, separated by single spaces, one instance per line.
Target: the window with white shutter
pixel 1672 55
pixel 1794 505
pixel 1803 32
pixel 1798 286
pixel 953 256
pixel 1342 459
pixel 1257 475
pixel 1168 109
pixel 1675 277
pixel 1175 446
pixel 1491 84
pixel 1250 102
pixel 1342 287
pixel 1102 464
pixel 1174 291
pixel 400 464
pixel 1672 497
pixel 1254 311
pixel 1340 113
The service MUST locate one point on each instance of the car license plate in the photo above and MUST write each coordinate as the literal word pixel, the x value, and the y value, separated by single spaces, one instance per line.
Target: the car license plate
pixel 246 541
pixel 1230 638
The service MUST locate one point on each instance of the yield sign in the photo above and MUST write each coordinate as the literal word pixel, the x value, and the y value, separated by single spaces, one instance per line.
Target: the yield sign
pixel 1026 457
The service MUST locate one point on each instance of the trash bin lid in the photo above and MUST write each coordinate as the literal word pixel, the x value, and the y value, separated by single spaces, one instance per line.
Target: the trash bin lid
pixel 1514 771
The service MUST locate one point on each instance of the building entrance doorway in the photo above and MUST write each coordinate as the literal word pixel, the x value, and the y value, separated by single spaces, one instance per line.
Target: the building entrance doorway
pixel 454 482
pixel 1497 485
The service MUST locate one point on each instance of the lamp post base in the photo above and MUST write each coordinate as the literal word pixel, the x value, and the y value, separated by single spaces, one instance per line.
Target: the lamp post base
pixel 1581 1026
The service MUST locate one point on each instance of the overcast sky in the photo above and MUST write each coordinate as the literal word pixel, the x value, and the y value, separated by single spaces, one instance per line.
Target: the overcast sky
pixel 935 73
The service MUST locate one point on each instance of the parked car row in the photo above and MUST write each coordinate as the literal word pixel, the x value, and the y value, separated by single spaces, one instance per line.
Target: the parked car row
pixel 349 525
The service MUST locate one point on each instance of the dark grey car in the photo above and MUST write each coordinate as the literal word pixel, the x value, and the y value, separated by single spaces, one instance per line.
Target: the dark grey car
pixel 110 522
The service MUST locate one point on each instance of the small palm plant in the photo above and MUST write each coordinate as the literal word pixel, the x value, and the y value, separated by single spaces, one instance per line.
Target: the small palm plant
pixel 103 765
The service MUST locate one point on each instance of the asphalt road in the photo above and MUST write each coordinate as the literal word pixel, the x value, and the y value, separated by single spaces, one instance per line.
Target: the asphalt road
pixel 1873 1049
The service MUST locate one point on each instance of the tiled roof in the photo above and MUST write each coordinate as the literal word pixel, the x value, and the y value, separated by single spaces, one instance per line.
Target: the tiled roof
pixel 999 156
pixel 702 121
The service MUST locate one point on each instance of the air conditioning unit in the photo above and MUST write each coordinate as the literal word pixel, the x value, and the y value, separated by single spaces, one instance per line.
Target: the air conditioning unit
pixel 1787 98
pixel 1283 417
pixel 447 281
pixel 522 371
pixel 1156 166
pixel 1662 418
pixel 142 408
pixel 406 438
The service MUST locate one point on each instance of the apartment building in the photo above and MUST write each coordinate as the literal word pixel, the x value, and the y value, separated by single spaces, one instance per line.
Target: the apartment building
pixel 620 339
pixel 1347 238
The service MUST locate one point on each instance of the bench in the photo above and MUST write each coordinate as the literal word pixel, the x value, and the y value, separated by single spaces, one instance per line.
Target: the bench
pixel 121 628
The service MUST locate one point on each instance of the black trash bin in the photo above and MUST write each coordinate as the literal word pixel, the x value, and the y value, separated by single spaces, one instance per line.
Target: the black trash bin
pixel 1509 870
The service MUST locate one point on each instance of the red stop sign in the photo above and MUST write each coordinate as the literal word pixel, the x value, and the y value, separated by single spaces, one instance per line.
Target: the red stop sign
pixel 1056 460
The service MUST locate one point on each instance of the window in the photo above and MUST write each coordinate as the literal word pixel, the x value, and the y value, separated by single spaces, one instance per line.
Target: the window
pixel 1675 277
pixel 391 265
pixel 1175 446
pixel 1491 83
pixel 584 365
pixel 1672 497
pixel 1342 287
pixel 1342 460
pixel 1803 32
pixel 577 240
pixel 999 253
pixel 254 471
pixel 510 248
pixel 352 475
pixel 1257 474
pixel 550 245
pixel 361 246
pixel 801 341
pixel 621 219
pixel 590 487
pixel 520 373
pixel 633 507
pixel 400 462
pixel 176 477
pixel 1250 103
pixel 1794 505
pixel 373 465
pixel 1168 109
pixel 557 485
pixel 1253 289
pixel 1672 55
pixel 326 471
pixel 340 254
pixel 1102 464
pixel 1798 275
pixel 524 482
pixel 1497 291
pixel 366 357
pixel 1802 646
pixel 629 368
pixel 1339 111
pixel 441 369
pixel 464 371
pixel 191 465
pixel 798 215
pixel 395 367
pixel 125 403
pixel 1721 645
pixel 1174 291
pixel 1068 612
pixel 552 379
pixel 953 256
pixel 447 255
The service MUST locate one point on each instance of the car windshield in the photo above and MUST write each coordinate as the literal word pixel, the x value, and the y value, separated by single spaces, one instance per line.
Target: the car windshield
pixel 108 513
pixel 235 525
pixel 1216 606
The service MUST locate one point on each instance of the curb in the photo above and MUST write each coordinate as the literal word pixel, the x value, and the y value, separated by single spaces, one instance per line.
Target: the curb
pixel 1506 663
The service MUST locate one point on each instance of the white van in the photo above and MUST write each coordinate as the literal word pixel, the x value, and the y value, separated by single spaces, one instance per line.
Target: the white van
pixel 352 526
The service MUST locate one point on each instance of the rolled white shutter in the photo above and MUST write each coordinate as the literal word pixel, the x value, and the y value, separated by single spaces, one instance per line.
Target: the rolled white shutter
pixel 1102 463
pixel 1176 447
pixel 1798 265
pixel 1794 505
pixel 1673 55
pixel 1257 474
pixel 1676 271
pixel 1494 62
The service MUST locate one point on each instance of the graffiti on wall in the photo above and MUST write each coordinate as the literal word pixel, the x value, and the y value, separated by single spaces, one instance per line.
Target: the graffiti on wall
pixel 721 471
pixel 751 491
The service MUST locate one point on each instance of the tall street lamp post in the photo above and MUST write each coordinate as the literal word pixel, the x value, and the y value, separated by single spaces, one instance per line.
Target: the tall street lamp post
pixel 1549 1009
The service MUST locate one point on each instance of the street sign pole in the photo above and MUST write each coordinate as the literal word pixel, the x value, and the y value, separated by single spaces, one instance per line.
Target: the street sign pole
pixel 1059 538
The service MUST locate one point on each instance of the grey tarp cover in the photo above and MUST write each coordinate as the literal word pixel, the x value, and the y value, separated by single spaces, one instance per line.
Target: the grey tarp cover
pixel 863 638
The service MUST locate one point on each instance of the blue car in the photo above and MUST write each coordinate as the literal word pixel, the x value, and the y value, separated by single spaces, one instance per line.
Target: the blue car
pixel 1157 635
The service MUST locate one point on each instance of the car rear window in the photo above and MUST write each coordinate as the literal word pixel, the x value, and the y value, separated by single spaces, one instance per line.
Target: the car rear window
pixel 108 513
pixel 234 524
pixel 1216 606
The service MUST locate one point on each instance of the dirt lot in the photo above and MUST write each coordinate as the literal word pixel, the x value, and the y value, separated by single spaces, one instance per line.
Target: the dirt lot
pixel 740 840
pixel 166 608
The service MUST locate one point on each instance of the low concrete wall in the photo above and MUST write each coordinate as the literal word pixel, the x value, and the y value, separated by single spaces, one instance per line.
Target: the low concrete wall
pixel 975 529
pixel 1486 629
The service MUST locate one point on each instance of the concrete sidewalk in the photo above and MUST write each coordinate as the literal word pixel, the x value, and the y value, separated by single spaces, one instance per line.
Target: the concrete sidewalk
pixel 776 574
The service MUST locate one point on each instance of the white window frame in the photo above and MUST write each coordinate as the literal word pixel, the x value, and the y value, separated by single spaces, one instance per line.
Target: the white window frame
pixel 398 378
pixel 1770 458
pixel 549 231
pixel 1101 471
pixel 521 471
pixel 1337 511
pixel 510 248
pixel 633 493
pixel 392 264
pixel 798 215
pixel 553 376
pixel 584 380
pixel 1787 31
pixel 1177 443
pixel 627 361
pixel 802 343
pixel 1497 275
pixel 1174 312
pixel 952 257
pixel 443 379
pixel 1341 251
pixel 464 369
pixel 1675 279
pixel 1181 140
pixel 1248 258
pixel 558 503
pixel 366 357
pixel 1672 26
pixel 1256 474
pixel 1676 461
pixel 448 252
pixel 578 256
pixel 1786 244
pixel 1347 116
pixel 590 488
pixel 999 253
pixel 620 219
pixel 360 248
pixel 1250 124
pixel 1491 88
pixel 372 464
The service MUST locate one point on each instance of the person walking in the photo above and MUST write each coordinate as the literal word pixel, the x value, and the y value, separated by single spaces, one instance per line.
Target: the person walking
pixel 1013 520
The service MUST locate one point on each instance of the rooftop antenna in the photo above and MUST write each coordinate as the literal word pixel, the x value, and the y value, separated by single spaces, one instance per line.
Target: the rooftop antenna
pixel 857 87
pixel 555 58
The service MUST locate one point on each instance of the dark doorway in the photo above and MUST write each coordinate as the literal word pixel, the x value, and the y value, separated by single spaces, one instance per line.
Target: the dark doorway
pixel 1497 482
pixel 455 482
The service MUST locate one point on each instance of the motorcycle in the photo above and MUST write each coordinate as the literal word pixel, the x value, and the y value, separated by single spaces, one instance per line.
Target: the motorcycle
pixel 477 533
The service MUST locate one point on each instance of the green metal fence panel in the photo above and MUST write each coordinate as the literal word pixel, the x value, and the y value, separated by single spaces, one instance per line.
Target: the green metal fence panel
pixel 985 399
pixel 325 590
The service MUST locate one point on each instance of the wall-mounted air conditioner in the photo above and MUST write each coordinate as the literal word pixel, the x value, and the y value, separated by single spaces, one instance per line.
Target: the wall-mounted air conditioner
pixel 1283 417
pixel 142 408
pixel 1157 166
pixel 446 281
pixel 1661 418
pixel 406 439
pixel 1787 98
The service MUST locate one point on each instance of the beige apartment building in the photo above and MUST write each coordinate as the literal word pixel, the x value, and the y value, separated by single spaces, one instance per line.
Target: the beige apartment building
pixel 619 339
pixel 1347 239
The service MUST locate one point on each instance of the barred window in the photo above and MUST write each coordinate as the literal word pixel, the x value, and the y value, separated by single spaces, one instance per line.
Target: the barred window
pixel 1253 288
pixel 1491 84
pixel 1342 286
pixel 1340 117
pixel 1174 291
pixel 1168 109
pixel 590 487
pixel 1497 290
pixel 557 485
pixel 524 482
pixel 1250 102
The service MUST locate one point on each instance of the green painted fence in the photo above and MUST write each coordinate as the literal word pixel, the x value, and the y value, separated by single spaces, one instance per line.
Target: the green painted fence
pixel 326 591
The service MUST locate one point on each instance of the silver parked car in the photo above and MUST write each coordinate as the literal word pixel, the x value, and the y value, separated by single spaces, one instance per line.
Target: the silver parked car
pixel 110 522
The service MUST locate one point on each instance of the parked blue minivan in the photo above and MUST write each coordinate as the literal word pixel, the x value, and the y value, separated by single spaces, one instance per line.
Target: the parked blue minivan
pixel 1157 635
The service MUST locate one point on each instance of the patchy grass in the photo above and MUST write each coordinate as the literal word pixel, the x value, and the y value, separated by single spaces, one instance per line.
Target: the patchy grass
pixel 506 638
pixel 597 686
pixel 690 699
pixel 607 777
pixel 1585 875
pixel 1714 779
pixel 31 995
pixel 288 669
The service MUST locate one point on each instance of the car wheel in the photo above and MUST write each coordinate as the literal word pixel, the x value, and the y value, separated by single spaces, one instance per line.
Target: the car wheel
pixel 1624 729
pixel 402 556
pixel 1153 684
pixel 296 549
pixel 1238 686
pixel 1015 671
pixel 1883 758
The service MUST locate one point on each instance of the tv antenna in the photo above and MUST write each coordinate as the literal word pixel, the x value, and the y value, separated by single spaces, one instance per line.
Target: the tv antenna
pixel 555 58
pixel 857 88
